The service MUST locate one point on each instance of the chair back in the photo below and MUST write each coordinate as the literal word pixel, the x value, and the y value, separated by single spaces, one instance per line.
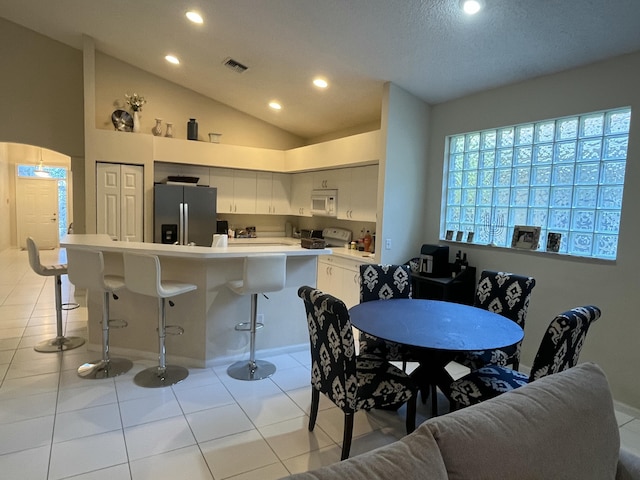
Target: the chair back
pixel 34 256
pixel 86 269
pixel 333 356
pixel 142 274
pixel 382 282
pixel 506 294
pixel 563 340
pixel 264 273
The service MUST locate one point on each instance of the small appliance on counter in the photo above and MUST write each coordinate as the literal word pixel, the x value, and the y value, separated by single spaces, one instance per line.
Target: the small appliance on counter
pixel 310 233
pixel 336 237
pixel 434 261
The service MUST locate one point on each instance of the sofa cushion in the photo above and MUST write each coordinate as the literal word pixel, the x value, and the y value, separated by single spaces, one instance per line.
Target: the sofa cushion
pixel 561 426
pixel 414 457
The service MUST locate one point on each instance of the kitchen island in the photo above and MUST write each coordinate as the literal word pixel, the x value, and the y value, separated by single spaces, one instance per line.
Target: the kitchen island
pixel 208 314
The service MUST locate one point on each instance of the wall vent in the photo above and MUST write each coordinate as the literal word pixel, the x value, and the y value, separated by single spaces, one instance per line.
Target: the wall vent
pixel 234 65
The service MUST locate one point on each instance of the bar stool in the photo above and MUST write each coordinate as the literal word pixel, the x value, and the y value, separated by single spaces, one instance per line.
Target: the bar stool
pixel 86 270
pixel 261 273
pixel 142 275
pixel 60 342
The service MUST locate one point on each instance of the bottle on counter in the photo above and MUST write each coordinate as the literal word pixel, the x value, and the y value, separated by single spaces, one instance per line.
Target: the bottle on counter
pixel 455 269
pixel 464 263
pixel 366 241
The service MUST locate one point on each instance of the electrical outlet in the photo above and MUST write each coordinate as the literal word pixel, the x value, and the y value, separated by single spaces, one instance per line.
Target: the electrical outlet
pixel 260 318
pixel 387 244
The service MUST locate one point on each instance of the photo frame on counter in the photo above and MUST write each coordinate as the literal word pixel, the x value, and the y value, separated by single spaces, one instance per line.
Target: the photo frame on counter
pixel 459 235
pixel 469 237
pixel 525 237
pixel 449 235
pixel 553 242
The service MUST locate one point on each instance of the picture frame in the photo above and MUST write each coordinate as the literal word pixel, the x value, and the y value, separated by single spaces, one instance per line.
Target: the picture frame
pixel 553 242
pixel 470 237
pixel 449 235
pixel 525 237
pixel 459 235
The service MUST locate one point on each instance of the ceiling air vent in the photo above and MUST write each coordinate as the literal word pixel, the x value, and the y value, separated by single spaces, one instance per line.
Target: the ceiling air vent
pixel 234 65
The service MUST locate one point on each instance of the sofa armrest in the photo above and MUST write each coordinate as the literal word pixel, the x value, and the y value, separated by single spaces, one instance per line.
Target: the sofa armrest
pixel 628 465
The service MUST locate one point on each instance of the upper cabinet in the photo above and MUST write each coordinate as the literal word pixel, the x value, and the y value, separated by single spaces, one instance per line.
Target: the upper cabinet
pixel 236 190
pixel 301 186
pixel 357 193
pixel 273 192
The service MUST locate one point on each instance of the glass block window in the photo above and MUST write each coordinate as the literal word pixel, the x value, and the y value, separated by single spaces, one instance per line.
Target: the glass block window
pixel 565 175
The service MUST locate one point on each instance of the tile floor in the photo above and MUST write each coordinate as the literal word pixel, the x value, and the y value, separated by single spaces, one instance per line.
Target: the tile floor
pixel 54 425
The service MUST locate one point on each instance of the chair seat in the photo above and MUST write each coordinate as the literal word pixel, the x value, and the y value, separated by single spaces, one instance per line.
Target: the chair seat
pixel 169 288
pixel 114 282
pixel 236 286
pixel 381 384
pixel 478 359
pixel 52 270
pixel 485 383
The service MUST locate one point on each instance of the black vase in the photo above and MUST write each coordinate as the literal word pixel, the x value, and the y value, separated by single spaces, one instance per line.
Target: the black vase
pixel 192 129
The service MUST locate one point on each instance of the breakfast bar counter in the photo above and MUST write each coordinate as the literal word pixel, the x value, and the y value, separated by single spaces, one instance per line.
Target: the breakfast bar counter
pixel 208 314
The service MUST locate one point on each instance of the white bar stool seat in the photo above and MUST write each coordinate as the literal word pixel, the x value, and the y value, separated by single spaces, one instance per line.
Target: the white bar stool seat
pixel 261 274
pixel 60 342
pixel 142 274
pixel 86 270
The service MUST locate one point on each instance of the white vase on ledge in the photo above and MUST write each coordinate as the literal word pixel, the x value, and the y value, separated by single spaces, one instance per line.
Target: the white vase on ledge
pixel 136 122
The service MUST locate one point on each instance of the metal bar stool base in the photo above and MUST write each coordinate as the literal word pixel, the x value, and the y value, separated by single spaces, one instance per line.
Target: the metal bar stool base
pixel 244 370
pixel 101 369
pixel 59 344
pixel 149 377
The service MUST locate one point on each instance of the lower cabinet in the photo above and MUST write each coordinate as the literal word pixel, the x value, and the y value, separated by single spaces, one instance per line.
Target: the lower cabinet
pixel 340 277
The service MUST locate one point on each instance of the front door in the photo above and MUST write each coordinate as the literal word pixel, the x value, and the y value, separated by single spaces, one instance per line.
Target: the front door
pixel 37 211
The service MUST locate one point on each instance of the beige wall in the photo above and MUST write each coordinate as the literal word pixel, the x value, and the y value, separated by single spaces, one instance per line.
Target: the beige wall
pixel 176 104
pixel 562 282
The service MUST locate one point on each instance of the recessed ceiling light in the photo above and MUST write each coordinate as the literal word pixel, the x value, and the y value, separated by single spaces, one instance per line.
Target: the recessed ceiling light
pixel 195 17
pixel 471 7
pixel 172 59
pixel 320 83
pixel 275 105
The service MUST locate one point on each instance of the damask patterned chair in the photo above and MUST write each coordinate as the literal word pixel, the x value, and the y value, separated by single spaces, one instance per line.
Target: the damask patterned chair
pixel 506 294
pixel 383 282
pixel 351 382
pixel 559 350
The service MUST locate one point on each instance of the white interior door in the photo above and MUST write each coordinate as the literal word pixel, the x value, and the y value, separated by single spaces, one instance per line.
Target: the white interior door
pixel 37 211
pixel 119 201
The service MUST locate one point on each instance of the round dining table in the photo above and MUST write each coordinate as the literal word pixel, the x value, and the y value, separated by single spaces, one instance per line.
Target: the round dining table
pixel 437 331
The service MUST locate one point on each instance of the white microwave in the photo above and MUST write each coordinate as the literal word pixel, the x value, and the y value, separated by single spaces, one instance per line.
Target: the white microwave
pixel 324 203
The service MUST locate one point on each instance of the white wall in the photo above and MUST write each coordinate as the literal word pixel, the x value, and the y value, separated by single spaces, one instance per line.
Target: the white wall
pixel 402 173
pixel 562 282
pixel 6 197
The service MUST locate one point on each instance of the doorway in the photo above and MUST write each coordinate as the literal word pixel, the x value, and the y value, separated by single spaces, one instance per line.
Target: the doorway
pixel 37 212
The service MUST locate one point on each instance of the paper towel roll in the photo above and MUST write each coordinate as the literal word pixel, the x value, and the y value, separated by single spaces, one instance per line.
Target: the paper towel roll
pixel 220 240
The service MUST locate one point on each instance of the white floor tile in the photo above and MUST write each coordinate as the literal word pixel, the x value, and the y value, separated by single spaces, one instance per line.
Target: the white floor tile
pixel 630 436
pixel 313 460
pixel 203 397
pixel 26 464
pixel 302 397
pixel 270 409
pixel 177 464
pixel 92 394
pixel 26 434
pixel 20 387
pixel 218 422
pixel 292 378
pixel 87 454
pixel 86 422
pixel 154 438
pixel 237 454
pixel 150 409
pixel 117 472
pixel 48 364
pixel 270 472
pixel 21 408
pixel 332 422
pixel 292 438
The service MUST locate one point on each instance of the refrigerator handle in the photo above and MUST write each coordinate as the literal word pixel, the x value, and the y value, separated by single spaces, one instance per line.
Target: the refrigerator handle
pixel 186 224
pixel 181 226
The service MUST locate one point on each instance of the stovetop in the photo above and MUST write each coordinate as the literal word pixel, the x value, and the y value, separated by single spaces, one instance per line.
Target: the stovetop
pixel 336 237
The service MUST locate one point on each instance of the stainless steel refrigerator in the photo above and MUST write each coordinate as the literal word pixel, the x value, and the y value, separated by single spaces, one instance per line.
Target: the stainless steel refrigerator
pixel 184 214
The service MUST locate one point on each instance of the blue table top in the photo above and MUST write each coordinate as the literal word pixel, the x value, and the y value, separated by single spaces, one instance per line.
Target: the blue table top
pixel 435 324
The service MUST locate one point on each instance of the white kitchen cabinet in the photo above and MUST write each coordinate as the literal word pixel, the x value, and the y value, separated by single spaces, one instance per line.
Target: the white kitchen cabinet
pixel 357 193
pixel 236 190
pixel 326 179
pixel 273 192
pixel 340 277
pixel 301 186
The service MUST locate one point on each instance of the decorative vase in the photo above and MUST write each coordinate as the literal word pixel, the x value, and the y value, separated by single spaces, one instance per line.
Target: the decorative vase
pixel 192 129
pixel 169 132
pixel 157 130
pixel 136 122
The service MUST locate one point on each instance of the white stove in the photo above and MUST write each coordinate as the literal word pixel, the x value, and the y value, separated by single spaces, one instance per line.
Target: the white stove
pixel 336 237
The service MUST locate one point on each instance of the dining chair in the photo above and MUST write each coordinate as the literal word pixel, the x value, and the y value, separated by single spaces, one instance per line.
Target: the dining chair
pixel 506 294
pixel 558 351
pixel 384 282
pixel 350 381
